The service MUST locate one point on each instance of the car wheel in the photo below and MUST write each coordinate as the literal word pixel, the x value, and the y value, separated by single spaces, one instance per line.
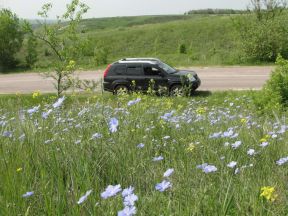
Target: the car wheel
pixel 176 90
pixel 121 89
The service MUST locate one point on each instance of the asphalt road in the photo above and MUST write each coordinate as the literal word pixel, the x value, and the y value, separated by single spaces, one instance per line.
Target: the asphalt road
pixel 213 79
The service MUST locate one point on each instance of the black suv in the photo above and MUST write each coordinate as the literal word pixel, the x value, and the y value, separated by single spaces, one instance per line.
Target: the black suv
pixel 138 74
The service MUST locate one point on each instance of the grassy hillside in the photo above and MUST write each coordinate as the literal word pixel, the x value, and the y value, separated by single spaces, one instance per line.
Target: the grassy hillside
pixel 209 40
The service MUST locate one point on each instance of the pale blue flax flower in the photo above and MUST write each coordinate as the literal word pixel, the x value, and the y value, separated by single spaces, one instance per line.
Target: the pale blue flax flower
pixel 113 124
pixel 159 158
pixel 110 191
pixel 59 102
pixel 130 199
pixel 168 173
pixel 127 211
pixel 28 194
pixel 84 197
pixel 127 191
pixel 164 185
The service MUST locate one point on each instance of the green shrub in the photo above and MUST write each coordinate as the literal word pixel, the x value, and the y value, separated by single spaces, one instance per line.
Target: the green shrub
pixel 182 49
pixel 274 94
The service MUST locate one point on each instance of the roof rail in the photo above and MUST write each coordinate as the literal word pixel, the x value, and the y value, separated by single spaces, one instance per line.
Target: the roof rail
pixel 139 59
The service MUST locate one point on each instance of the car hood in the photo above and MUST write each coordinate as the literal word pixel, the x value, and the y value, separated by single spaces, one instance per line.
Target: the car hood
pixel 184 72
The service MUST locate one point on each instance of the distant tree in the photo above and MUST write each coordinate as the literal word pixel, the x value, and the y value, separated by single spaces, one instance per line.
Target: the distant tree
pixel 32 56
pixel 64 42
pixel 11 38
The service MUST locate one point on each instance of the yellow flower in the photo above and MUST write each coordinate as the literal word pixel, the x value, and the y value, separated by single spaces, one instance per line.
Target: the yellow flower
pixel 200 110
pixel 19 169
pixel 191 147
pixel 243 121
pixel 268 193
pixel 36 94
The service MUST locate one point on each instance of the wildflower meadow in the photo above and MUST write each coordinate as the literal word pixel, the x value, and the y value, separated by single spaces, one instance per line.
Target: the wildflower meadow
pixel 210 154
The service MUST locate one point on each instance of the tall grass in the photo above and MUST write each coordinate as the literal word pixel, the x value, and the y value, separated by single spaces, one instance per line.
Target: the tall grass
pixel 59 159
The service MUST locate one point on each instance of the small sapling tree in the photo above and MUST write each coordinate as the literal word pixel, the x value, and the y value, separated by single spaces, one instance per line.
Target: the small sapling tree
pixel 62 39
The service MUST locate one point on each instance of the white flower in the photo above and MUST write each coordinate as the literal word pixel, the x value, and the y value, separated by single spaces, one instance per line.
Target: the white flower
pixel 232 164
pixel 251 152
pixel 168 172
pixel 83 198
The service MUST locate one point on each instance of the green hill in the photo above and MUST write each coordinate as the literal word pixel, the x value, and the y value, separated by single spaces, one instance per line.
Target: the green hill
pixel 207 39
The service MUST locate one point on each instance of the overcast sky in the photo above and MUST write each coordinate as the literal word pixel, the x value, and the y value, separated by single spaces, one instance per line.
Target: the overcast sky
pixel 111 8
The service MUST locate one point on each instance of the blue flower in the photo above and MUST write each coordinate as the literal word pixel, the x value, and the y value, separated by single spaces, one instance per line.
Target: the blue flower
pixel 7 134
pixel 83 198
pixel 33 110
pixel 141 145
pixel 206 168
pixel 110 191
pixel 59 102
pixel 232 164
pixel 127 211
pixel 130 199
pixel 282 161
pixel 164 185
pixel 28 194
pixel 209 169
pixel 236 144
pixel 96 136
pixel 113 124
pixel 46 114
pixel 158 158
pixel 127 191
pixel 168 173
pixel 132 102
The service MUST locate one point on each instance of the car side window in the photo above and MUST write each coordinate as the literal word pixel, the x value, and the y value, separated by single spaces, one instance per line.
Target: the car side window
pixel 135 70
pixel 120 69
pixel 151 71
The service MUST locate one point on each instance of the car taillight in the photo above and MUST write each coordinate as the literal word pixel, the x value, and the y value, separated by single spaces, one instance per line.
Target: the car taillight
pixel 106 71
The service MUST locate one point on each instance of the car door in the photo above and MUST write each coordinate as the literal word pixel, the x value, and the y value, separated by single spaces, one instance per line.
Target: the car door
pixel 153 72
pixel 134 75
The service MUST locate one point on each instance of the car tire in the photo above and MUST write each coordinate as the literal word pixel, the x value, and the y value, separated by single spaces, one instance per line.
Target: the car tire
pixel 176 90
pixel 120 89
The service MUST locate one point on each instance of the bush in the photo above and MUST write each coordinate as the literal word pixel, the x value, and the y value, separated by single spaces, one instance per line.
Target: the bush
pixel 274 94
pixel 182 49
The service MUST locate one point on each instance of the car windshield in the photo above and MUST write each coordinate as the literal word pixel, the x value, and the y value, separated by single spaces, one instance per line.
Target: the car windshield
pixel 167 68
